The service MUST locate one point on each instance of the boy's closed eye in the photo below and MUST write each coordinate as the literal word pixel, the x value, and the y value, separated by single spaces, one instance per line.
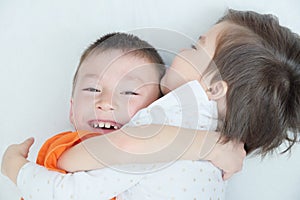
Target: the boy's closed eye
pixel 129 93
pixel 97 90
pixel 91 90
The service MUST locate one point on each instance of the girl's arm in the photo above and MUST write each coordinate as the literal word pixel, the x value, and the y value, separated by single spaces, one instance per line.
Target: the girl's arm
pixel 35 182
pixel 153 144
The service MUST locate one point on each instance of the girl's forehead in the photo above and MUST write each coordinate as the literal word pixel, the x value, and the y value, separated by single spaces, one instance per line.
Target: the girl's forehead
pixel 208 40
pixel 217 29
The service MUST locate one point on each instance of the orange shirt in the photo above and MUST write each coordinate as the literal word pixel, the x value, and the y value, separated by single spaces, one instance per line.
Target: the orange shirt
pixel 55 146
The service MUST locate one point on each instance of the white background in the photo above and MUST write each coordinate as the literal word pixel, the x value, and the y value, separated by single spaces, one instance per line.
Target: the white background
pixel 40 46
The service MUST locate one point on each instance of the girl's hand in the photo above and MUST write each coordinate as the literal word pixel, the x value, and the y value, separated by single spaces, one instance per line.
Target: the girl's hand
pixel 228 157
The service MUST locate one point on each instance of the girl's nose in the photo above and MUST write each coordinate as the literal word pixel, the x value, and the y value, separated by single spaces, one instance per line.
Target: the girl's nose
pixel 183 49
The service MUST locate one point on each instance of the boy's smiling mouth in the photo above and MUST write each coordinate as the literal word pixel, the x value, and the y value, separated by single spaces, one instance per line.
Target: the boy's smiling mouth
pixel 103 124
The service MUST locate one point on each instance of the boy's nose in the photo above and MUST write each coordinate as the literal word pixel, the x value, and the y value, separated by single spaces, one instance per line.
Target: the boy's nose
pixel 105 102
pixel 104 105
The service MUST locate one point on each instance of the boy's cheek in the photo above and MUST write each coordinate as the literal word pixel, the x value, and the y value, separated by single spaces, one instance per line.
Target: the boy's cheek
pixel 133 108
pixel 135 104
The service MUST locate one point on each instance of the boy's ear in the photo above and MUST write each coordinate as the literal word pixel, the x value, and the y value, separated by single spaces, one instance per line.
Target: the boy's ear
pixel 71 118
pixel 217 90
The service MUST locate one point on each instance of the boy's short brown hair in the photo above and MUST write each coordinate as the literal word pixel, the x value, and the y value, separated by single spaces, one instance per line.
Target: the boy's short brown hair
pixel 127 43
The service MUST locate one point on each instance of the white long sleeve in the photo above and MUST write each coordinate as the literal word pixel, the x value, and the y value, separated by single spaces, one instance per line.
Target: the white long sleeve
pixel 36 182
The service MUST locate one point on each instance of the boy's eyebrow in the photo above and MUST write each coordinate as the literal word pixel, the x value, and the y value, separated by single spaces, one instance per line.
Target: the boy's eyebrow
pixel 126 77
pixel 134 78
pixel 90 76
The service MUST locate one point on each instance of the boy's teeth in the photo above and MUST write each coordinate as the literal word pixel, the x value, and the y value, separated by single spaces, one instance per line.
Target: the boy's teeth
pixel 101 125
pixel 107 125
pixel 104 125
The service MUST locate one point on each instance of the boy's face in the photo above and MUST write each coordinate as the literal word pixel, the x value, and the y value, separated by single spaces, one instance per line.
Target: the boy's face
pixel 111 87
pixel 190 64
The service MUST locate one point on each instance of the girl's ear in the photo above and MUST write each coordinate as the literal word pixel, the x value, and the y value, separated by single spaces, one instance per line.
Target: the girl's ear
pixel 217 90
pixel 71 118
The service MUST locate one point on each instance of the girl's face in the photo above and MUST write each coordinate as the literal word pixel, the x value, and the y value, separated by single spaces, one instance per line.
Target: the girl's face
pixel 190 63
